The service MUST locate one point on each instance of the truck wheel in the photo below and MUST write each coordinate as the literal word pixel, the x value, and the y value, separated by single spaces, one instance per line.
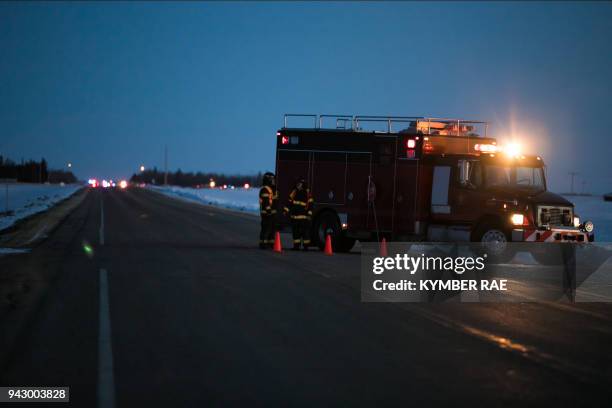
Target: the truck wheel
pixel 328 223
pixel 345 244
pixel 494 242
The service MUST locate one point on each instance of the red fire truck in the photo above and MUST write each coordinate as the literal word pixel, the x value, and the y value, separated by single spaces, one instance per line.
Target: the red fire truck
pixel 418 178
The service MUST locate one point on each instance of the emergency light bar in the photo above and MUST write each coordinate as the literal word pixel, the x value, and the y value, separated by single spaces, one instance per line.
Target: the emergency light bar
pixel 486 148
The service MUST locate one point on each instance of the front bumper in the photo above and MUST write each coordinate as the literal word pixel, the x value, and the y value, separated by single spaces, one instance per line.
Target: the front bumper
pixel 558 234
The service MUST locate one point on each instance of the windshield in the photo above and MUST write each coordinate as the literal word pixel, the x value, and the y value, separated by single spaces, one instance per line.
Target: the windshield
pixel 531 178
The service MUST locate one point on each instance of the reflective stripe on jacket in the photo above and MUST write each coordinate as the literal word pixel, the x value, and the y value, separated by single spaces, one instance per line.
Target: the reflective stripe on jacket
pixel 266 199
pixel 299 204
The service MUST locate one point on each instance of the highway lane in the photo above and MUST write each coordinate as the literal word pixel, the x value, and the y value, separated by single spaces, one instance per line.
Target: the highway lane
pixel 197 315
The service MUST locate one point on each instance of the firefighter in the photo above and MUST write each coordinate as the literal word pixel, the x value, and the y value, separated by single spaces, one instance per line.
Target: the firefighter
pixel 268 201
pixel 299 208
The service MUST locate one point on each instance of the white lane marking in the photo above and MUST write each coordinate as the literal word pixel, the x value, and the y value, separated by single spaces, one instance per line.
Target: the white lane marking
pixel 101 221
pixel 9 251
pixel 106 381
pixel 37 235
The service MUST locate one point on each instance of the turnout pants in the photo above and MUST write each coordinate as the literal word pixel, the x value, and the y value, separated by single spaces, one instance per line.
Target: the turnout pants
pixel 301 232
pixel 266 235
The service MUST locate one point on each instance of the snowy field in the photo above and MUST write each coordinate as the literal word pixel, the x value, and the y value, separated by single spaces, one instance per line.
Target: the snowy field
pixel 240 199
pixel 592 208
pixel 25 199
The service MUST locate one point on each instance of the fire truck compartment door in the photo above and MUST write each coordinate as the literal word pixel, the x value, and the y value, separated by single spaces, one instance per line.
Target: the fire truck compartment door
pixel 439 190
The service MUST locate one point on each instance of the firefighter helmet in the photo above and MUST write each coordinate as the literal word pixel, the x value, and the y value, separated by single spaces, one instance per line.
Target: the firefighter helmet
pixel 268 179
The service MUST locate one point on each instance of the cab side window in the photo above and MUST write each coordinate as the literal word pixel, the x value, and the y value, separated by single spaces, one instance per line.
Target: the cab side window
pixel 469 174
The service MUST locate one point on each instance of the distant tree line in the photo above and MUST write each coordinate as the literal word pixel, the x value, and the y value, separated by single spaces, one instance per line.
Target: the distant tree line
pixel 33 172
pixel 190 179
pixel 61 176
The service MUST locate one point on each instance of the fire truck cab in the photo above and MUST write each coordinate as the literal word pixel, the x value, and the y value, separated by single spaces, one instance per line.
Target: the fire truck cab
pixel 419 178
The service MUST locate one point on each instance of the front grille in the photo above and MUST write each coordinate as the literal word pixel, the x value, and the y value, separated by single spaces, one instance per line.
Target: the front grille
pixel 555 215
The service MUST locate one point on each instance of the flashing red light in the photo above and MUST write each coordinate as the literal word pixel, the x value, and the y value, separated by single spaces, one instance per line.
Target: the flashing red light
pixel 284 140
pixel 411 144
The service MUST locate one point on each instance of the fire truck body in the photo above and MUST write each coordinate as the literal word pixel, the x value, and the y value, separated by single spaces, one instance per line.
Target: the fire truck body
pixel 430 179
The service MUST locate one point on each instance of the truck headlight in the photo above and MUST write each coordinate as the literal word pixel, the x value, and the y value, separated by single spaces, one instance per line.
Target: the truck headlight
pixel 588 226
pixel 517 219
pixel 576 221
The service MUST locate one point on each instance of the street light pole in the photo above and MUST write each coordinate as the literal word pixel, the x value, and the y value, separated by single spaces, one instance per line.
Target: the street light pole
pixel 165 165
pixel 572 174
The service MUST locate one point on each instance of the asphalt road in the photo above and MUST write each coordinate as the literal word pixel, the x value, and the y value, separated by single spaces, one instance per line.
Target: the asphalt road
pixel 174 305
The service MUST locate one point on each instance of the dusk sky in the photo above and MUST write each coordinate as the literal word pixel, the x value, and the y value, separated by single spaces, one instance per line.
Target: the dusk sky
pixel 106 85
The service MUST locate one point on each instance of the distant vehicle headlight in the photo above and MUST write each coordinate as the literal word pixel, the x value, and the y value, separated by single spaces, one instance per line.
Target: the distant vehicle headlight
pixel 517 219
pixel 576 221
pixel 588 226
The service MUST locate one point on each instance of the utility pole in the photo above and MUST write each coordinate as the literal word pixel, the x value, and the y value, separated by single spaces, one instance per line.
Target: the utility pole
pixel 165 165
pixel 583 185
pixel 572 174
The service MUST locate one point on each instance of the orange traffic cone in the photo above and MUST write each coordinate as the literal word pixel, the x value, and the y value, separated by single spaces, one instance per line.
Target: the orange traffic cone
pixel 277 243
pixel 383 247
pixel 328 245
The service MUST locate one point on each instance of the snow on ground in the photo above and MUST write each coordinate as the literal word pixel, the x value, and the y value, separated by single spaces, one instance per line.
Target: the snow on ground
pixel 9 251
pixel 25 199
pixel 237 199
pixel 593 208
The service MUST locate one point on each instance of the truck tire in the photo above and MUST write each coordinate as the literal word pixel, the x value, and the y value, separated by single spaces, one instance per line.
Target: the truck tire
pixel 345 244
pixel 328 223
pixel 494 242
